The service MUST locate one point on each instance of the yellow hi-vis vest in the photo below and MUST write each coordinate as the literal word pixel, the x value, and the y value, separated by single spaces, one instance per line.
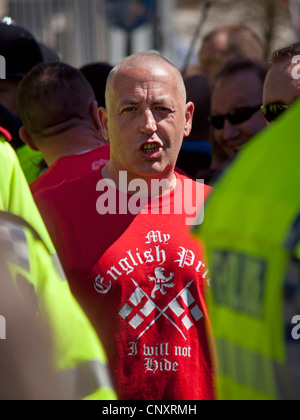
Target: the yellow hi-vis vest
pixel 32 162
pixel 15 195
pixel 78 355
pixel 248 218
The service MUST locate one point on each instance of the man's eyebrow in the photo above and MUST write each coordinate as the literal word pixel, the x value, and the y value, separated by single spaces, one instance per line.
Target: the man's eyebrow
pixel 163 101
pixel 130 102
pixel 156 101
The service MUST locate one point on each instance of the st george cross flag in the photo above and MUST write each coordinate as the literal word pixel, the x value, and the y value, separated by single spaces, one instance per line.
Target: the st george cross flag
pixel 140 306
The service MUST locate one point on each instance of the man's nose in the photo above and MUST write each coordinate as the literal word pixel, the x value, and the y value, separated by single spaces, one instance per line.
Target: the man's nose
pixel 148 122
pixel 230 131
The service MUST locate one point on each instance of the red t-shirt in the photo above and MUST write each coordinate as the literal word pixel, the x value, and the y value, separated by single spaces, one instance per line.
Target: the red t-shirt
pixel 139 278
pixel 72 166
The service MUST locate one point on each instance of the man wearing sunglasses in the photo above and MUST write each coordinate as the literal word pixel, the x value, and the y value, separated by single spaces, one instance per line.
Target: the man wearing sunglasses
pixel 236 101
pixel 282 84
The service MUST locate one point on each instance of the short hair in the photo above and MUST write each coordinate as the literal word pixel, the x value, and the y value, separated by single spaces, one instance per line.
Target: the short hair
pixel 238 65
pixel 53 93
pixel 285 54
pixel 240 41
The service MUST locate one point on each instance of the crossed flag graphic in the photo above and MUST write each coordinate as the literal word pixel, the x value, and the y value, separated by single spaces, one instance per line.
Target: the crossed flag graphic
pixel 142 314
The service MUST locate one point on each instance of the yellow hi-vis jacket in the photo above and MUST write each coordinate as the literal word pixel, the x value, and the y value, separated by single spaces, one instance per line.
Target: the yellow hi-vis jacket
pixel 32 162
pixel 251 242
pixel 30 254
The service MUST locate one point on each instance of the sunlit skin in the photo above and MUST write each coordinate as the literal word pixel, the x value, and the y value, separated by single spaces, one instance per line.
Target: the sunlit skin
pixel 280 86
pixel 146 119
pixel 241 90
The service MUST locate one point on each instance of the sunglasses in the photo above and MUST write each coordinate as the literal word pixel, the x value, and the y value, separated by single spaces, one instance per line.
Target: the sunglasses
pixel 272 111
pixel 235 116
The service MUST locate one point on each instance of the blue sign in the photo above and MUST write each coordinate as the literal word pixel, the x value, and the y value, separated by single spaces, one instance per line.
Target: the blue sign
pixel 130 14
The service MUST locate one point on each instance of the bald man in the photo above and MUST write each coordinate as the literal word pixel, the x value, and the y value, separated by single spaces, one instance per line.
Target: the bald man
pixel 123 237
pixel 137 99
pixel 224 43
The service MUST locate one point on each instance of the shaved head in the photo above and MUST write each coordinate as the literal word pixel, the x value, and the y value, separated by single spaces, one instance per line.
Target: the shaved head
pixel 146 117
pixel 143 60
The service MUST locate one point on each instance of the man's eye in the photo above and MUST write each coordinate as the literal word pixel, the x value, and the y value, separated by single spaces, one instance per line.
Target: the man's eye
pixel 162 109
pixel 129 109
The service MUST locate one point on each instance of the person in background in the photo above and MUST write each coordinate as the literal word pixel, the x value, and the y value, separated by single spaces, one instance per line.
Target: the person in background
pixel 21 52
pixel 97 74
pixel 260 242
pixel 236 101
pixel 49 54
pixel 224 43
pixel 282 84
pixel 24 337
pixel 252 249
pixel 219 160
pixel 32 270
pixel 59 112
pixel 195 152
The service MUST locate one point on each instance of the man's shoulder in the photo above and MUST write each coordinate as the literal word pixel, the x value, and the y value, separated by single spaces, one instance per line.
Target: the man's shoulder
pixel 101 152
pixel 71 167
pixel 69 189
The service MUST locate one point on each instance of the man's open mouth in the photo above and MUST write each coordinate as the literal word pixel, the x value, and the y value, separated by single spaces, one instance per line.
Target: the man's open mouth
pixel 150 148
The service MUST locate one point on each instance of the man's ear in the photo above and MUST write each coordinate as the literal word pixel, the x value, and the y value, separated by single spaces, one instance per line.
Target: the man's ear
pixel 189 113
pixel 102 113
pixel 24 135
pixel 94 113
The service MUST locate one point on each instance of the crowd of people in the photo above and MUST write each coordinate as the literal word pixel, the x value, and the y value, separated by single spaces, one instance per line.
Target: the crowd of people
pixel 135 281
